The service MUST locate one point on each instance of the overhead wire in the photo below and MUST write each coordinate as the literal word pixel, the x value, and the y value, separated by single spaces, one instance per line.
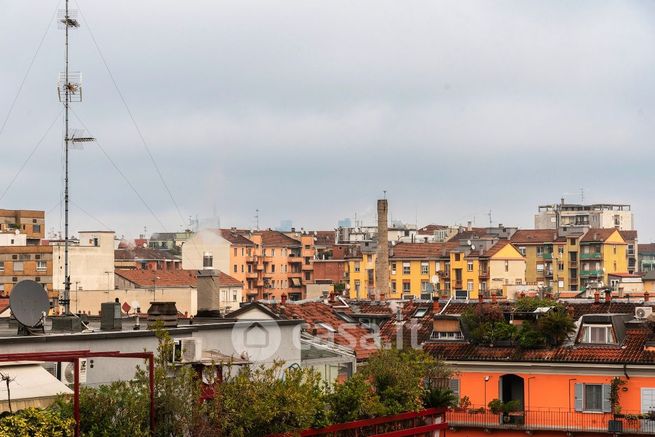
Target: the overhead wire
pixel 29 157
pixel 132 118
pixel 27 73
pixel 120 172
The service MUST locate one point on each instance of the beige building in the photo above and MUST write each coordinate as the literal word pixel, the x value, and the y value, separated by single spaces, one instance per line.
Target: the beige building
pixel 91 262
pixel 206 249
pixel 598 215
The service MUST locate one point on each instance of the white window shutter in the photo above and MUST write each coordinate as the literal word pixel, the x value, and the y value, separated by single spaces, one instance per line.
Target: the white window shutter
pixel 579 405
pixel 454 387
pixel 607 404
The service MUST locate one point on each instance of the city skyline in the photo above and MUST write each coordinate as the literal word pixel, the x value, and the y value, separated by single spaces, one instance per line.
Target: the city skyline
pixel 310 112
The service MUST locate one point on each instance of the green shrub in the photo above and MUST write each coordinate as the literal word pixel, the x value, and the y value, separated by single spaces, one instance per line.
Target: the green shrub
pixel 439 398
pixel 34 422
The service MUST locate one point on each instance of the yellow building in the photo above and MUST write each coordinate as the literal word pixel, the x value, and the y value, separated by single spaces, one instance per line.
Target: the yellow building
pixel 360 271
pixel 602 252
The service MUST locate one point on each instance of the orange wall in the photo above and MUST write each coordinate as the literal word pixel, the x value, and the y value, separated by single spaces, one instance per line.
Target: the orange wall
pixel 550 391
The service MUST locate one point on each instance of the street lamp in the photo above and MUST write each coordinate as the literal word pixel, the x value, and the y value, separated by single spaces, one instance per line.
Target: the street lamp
pixel 486 380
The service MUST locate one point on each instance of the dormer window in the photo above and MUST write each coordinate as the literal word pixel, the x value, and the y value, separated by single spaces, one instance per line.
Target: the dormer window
pixel 598 334
pixel 420 312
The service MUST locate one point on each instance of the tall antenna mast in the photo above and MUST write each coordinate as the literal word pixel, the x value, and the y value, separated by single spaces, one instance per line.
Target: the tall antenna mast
pixel 257 218
pixel 70 90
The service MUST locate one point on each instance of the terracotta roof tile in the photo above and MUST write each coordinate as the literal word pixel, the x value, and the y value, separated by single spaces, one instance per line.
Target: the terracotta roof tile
pixel 422 250
pixel 597 235
pixel 277 239
pixel 646 249
pixel 172 278
pixel 628 235
pixel 235 236
pixel 431 229
pixel 534 236
pixel 142 253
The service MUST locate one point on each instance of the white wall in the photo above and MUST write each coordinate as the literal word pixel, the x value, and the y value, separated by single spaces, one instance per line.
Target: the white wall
pixel 206 242
pixel 13 239
pixel 185 299
pixel 90 265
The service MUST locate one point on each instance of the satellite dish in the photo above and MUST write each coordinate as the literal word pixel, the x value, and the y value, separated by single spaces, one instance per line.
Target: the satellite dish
pixel 468 242
pixel 435 279
pixel 472 246
pixel 28 301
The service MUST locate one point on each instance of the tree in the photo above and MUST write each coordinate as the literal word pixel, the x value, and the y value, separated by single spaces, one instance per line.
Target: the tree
pixel 556 325
pixel 33 422
pixel 353 400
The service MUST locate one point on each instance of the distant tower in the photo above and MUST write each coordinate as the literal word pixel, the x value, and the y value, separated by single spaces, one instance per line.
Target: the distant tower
pixel 382 259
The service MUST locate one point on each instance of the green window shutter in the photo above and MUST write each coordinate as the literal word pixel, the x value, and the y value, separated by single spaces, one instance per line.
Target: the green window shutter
pixel 607 404
pixel 579 405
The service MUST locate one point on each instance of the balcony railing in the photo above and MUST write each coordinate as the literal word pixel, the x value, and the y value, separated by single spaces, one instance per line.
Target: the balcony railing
pixel 484 274
pixel 552 420
pixel 591 273
pixel 548 255
pixel 592 255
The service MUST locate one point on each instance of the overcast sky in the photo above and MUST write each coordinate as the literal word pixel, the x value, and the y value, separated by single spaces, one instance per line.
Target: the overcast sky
pixel 309 110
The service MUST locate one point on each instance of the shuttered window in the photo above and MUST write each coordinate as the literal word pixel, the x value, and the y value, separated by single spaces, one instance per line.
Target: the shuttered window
pixel 454 387
pixel 593 397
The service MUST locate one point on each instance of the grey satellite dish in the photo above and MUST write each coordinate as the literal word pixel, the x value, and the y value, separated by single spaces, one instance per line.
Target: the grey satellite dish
pixel 28 301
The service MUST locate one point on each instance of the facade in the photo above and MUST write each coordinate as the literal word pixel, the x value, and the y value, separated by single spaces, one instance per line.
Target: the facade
pixel 91 261
pixel 602 252
pixel 646 258
pixel 632 250
pixel 18 263
pixel 571 215
pixel 27 222
pixel 169 240
pixel 241 251
pixel 206 249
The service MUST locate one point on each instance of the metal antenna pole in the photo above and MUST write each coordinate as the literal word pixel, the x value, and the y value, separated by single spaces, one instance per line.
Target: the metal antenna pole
pixel 67 284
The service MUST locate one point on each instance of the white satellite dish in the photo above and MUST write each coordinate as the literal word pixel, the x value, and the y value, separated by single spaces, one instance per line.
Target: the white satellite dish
pixel 468 242
pixel 435 279
pixel 472 246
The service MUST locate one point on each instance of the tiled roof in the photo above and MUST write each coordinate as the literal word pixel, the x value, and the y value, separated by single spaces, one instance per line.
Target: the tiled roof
pixel 468 235
pixel 414 329
pixel 422 250
pixel 235 237
pixel 324 238
pixel 319 316
pixel 277 239
pixel 629 235
pixel 534 236
pixel 646 249
pixel 496 248
pixel 368 307
pixel 172 278
pixel 631 351
pixel 597 235
pixel 163 278
pixel 142 253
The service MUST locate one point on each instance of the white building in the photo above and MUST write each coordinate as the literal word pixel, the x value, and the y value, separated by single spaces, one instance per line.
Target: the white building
pixel 206 249
pixel 598 215
pixel 90 260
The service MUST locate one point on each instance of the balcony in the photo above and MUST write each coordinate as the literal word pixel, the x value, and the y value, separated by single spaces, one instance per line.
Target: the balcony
pixel 252 275
pixel 591 273
pixel 458 284
pixel 592 255
pixel 484 274
pixel 308 266
pixel 293 259
pixel 552 420
pixel 251 259
pixel 548 255
pixel 294 274
pixel 548 273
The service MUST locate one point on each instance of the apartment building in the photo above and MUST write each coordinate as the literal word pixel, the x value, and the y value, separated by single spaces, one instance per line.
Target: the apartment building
pixel 632 249
pixel 18 263
pixel 646 257
pixel 597 215
pixel 206 249
pixel 91 261
pixel 27 222
pixel 241 266
pixel 602 252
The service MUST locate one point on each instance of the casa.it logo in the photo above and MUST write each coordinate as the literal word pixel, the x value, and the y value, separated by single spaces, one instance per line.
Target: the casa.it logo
pixel 259 340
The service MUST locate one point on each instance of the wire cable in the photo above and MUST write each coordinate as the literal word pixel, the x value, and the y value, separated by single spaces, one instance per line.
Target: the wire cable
pixel 129 112
pixel 91 216
pixel 36 147
pixel 27 73
pixel 120 172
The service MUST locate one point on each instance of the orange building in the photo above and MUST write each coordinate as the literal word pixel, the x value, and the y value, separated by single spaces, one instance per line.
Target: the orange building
pixel 599 381
pixel 18 263
pixel 28 222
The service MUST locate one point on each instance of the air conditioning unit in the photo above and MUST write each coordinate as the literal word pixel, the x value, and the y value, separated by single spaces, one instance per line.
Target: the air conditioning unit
pixel 187 350
pixel 643 312
pixel 67 372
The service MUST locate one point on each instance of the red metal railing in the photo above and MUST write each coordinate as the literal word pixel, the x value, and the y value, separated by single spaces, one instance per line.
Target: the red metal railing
pixel 426 423
pixel 552 420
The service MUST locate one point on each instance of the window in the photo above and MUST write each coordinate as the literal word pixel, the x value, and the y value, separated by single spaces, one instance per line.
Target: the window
pixel 308 276
pixel 235 251
pixel 357 285
pixel 469 285
pixel 483 286
pixel 393 268
pixel 506 266
pixel 242 268
pixel 592 397
pixel 243 251
pixel 393 286
pixel 598 334
pixel 235 268
pixel 369 258
pixel 572 241
pixel 458 256
pixel 425 268
pixel 2 266
pixel 540 267
pixel 522 250
pixel 461 294
pixel 425 286
pixel 356 266
pixel 560 266
pixel 41 266
pixel 518 281
pixel 207 260
pixel 420 312
pixel 406 268
pixel 406 287
pixel 469 266
pixel 453 384
pixel 272 268
pixel 18 266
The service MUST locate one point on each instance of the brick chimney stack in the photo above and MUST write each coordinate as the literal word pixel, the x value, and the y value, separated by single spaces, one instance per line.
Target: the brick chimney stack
pixel 646 296
pixel 436 308
pixel 382 259
pixel 608 296
pixel 596 297
pixel 283 298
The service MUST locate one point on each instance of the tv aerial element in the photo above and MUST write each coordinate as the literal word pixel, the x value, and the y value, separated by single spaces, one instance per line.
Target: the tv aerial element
pixel 70 83
pixel 29 304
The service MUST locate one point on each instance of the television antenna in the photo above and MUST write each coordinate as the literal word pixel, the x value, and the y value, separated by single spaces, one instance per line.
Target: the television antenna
pixel 69 89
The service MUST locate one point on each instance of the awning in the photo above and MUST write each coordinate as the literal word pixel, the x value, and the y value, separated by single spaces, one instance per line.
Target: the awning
pixel 295 282
pixel 31 386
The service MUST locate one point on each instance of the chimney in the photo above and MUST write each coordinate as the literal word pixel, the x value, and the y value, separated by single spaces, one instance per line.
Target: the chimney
pixel 436 308
pixel 469 226
pixel 208 294
pixel 596 297
pixel 608 296
pixel 331 297
pixel 165 312
pixel 284 298
pixel 646 296
pixel 111 317
pixel 382 259
pixel 399 314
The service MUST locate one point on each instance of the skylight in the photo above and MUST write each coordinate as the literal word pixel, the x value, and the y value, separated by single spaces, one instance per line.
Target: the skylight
pixel 420 312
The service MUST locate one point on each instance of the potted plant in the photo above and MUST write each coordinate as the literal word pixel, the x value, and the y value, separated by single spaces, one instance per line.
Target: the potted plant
pixel 496 406
pixel 464 404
